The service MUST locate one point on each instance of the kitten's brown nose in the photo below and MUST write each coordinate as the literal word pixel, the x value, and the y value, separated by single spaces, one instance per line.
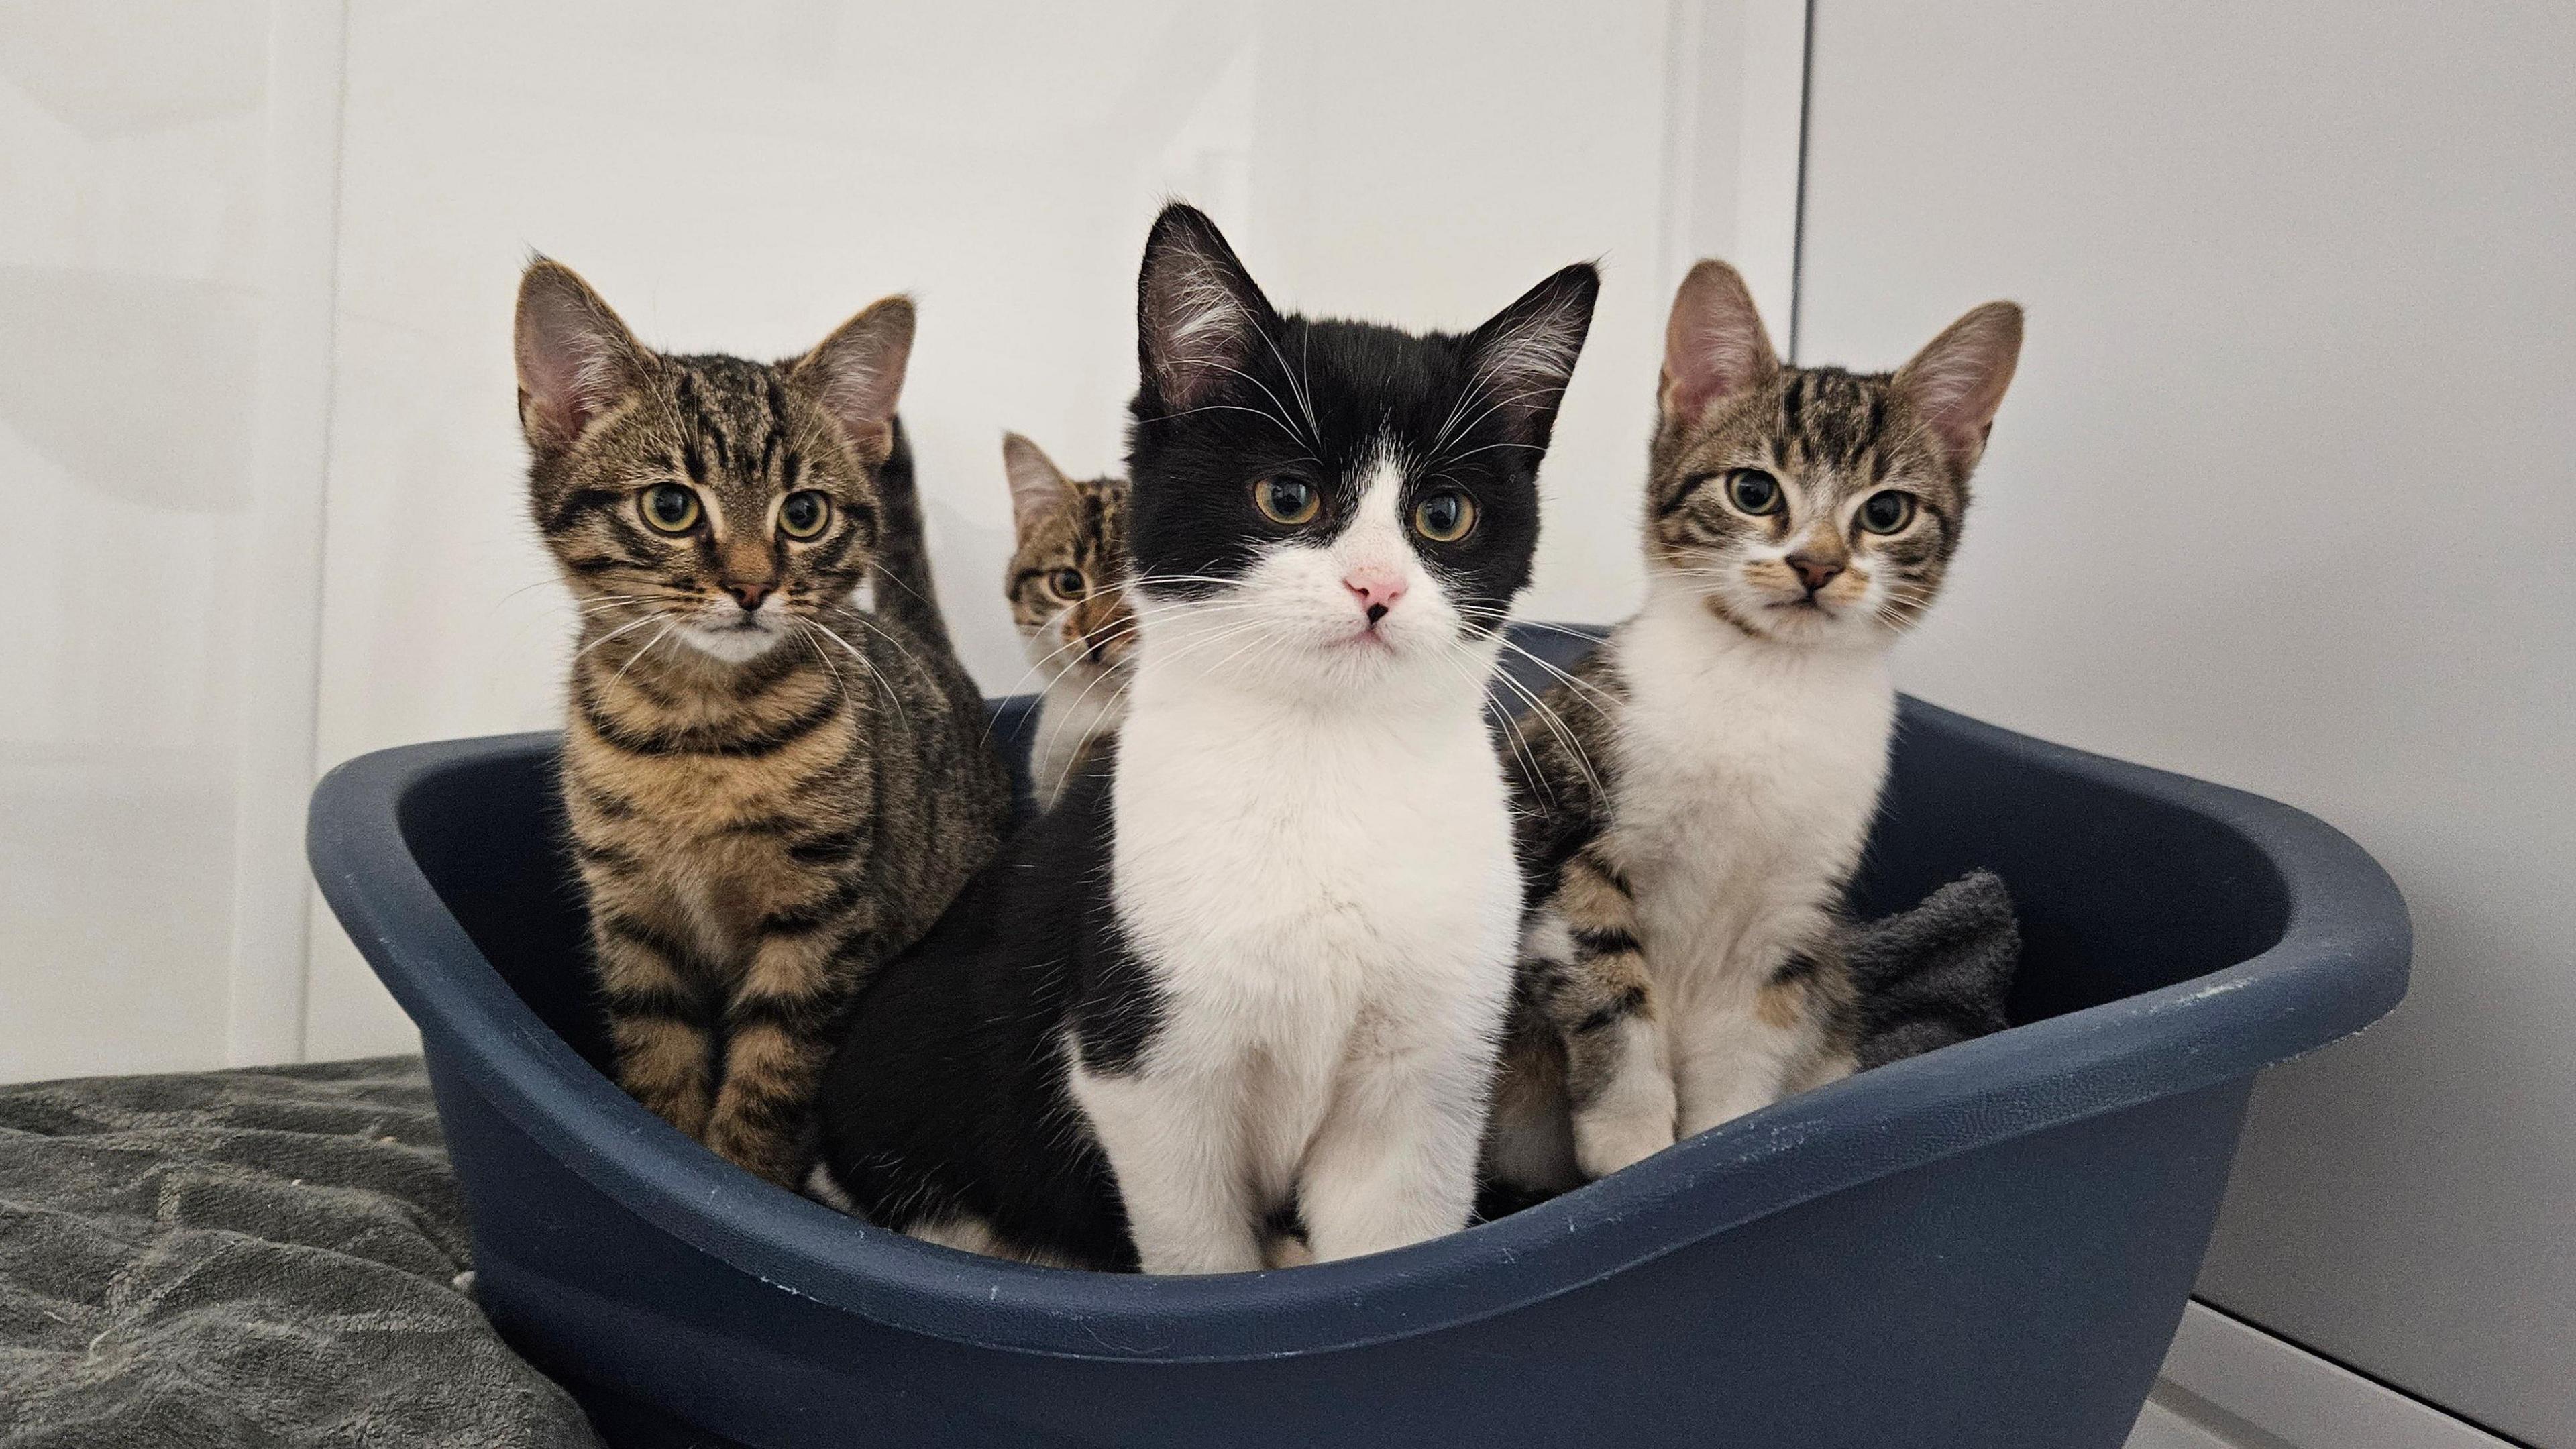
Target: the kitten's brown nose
pixel 1814 572
pixel 750 595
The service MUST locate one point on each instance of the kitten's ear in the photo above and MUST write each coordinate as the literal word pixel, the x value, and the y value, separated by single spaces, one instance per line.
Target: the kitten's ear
pixel 1037 488
pixel 857 374
pixel 1957 381
pixel 1199 314
pixel 575 359
pixel 1714 346
pixel 1524 355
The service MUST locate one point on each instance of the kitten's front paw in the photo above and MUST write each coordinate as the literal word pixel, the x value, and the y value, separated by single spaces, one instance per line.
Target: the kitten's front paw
pixel 1612 1136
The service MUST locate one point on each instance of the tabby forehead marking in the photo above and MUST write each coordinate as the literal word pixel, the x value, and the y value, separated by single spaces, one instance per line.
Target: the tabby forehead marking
pixel 1831 440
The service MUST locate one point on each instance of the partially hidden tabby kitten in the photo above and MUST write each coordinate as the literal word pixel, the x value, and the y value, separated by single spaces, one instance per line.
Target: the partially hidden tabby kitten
pixel 1068 589
pixel 1698 793
pixel 771 788
pixel 1256 962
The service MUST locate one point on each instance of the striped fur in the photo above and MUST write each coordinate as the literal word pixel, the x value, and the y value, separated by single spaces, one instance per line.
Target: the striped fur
pixel 1695 796
pixel 1067 584
pixel 766 798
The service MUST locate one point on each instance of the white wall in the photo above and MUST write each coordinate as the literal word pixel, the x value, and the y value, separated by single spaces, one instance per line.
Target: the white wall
pixel 2272 502
pixel 2281 499
pixel 745 185
pixel 308 219
pixel 164 308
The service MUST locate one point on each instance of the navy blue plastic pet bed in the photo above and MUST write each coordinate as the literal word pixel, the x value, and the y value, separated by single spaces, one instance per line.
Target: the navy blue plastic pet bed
pixel 1988 1246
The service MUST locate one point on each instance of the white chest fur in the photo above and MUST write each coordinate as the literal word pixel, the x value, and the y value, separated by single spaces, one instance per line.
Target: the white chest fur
pixel 1753 772
pixel 1327 901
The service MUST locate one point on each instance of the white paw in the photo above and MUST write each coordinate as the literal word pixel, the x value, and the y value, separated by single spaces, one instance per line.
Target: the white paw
pixel 1608 1137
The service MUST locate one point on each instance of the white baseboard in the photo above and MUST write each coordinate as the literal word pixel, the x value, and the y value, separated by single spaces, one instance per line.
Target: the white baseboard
pixel 2230 1385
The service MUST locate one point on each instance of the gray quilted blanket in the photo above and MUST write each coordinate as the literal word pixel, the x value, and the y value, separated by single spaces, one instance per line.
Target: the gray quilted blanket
pixel 238 1260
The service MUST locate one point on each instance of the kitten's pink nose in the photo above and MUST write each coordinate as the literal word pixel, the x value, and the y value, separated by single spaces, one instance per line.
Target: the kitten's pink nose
pixel 1815 573
pixel 1376 588
pixel 750 595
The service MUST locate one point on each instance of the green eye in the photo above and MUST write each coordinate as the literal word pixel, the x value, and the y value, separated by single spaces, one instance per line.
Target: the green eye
pixel 1287 501
pixel 1068 584
pixel 804 514
pixel 1753 491
pixel 1887 511
pixel 1445 516
pixel 670 508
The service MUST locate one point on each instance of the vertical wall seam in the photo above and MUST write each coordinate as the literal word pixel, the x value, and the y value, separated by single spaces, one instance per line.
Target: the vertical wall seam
pixel 277 664
pixel 1798 223
pixel 319 594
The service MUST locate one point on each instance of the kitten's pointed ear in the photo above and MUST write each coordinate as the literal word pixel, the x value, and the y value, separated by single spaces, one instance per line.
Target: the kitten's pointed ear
pixel 1957 381
pixel 1037 488
pixel 1524 356
pixel 575 359
pixel 857 374
pixel 1199 315
pixel 1714 346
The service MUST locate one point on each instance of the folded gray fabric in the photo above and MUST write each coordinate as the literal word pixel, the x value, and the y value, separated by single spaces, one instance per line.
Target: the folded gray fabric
pixel 1936 974
pixel 255 1258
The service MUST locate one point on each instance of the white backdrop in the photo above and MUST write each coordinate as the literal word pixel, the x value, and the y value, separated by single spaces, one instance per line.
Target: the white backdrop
pixel 256 264
pixel 2271 502
pixel 2277 501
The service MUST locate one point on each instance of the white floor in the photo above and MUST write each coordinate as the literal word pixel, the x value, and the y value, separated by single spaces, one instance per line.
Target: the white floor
pixel 2162 1428
pixel 2171 1422
pixel 2229 1385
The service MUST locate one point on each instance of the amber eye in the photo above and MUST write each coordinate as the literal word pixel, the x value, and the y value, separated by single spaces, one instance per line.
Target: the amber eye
pixel 1445 516
pixel 1887 511
pixel 671 508
pixel 1287 501
pixel 804 514
pixel 1754 491
pixel 1068 584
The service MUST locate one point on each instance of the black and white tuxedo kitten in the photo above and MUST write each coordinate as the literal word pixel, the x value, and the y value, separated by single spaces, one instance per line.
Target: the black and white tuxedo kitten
pixel 1698 799
pixel 1256 961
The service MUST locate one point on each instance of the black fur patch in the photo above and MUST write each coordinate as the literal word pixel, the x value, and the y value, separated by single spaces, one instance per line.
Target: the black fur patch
pixel 1325 401
pixel 949 1096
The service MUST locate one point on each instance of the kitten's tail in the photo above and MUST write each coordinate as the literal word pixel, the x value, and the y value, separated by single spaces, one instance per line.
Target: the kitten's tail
pixel 1937 974
pixel 904 592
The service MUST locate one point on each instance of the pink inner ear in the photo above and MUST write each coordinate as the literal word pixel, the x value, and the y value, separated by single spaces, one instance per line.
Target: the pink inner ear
pixel 1036 487
pixel 857 373
pixel 861 396
pixel 567 366
pixel 1958 381
pixel 1714 346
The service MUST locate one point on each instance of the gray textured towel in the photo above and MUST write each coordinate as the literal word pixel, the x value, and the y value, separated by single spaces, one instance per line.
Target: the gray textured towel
pixel 1936 974
pixel 235 1259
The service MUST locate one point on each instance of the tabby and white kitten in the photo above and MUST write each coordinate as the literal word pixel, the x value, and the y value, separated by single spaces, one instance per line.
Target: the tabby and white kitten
pixel 770 789
pixel 1704 801
pixel 1068 589
pixel 1257 963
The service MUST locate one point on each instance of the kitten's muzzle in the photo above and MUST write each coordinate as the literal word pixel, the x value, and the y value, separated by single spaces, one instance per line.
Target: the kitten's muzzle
pixel 1813 571
pixel 751 595
pixel 1376 589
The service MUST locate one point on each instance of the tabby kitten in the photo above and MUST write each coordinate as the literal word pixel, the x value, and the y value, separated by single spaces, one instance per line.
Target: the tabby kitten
pixel 770 789
pixel 1701 789
pixel 1067 584
pixel 1256 963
